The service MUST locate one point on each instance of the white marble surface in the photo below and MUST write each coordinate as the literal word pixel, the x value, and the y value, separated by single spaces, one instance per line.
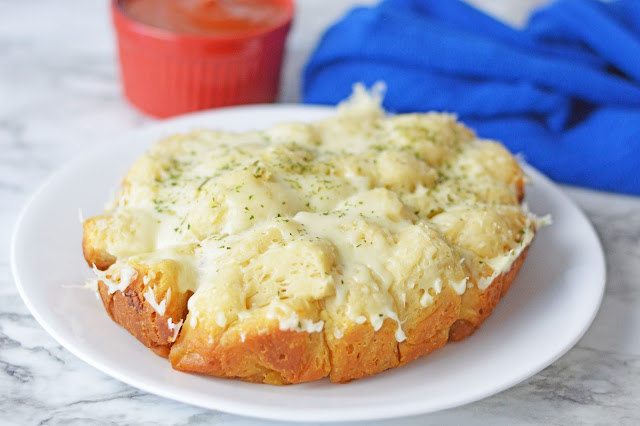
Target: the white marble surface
pixel 59 96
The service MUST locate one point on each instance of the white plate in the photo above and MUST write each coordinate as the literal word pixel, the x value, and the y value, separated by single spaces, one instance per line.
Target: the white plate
pixel 548 309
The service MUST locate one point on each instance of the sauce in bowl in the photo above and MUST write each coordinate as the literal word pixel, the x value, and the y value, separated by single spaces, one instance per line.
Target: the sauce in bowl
pixel 218 18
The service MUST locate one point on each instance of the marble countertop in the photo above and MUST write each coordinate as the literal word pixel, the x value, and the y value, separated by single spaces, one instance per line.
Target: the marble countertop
pixel 60 96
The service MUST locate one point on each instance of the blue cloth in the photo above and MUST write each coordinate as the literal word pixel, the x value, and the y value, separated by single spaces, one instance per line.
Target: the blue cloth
pixel 564 90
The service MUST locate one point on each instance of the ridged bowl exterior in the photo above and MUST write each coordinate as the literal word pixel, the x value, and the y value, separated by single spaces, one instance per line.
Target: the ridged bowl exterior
pixel 166 74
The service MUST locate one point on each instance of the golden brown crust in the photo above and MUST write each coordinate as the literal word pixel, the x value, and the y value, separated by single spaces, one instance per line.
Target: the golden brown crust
pixel 431 328
pixel 261 354
pixel 253 352
pixel 520 188
pixel 131 310
pixel 478 305
pixel 362 351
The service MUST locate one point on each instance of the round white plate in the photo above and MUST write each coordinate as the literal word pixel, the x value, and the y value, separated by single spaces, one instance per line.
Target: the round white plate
pixel 547 310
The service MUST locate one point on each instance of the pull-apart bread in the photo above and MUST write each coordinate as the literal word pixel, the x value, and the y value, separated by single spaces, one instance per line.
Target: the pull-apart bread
pixel 340 248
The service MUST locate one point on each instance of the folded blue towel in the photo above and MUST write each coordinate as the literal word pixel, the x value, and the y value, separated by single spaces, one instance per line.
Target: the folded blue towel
pixel 564 90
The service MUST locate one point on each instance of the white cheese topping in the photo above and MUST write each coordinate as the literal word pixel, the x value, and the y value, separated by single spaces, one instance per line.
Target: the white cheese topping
pixel 460 286
pixel 291 320
pixel 294 323
pixel 151 298
pixel 359 216
pixel 221 319
pixel 175 328
pixel 194 319
pixel 127 276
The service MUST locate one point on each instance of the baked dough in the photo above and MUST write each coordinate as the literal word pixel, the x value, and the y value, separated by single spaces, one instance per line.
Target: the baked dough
pixel 340 248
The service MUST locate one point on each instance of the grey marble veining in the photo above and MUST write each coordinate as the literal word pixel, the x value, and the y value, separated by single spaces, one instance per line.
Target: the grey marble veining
pixel 60 96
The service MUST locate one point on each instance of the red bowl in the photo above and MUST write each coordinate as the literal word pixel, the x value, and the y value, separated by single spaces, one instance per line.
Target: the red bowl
pixel 166 73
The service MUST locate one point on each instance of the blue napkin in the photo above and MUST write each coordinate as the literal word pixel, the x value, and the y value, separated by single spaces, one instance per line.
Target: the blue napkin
pixel 564 90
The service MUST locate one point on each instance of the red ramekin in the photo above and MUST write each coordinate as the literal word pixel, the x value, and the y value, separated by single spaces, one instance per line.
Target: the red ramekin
pixel 166 73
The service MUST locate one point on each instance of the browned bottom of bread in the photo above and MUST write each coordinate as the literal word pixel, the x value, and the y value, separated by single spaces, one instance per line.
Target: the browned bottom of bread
pixel 133 313
pixel 265 354
pixel 362 352
pixel 132 310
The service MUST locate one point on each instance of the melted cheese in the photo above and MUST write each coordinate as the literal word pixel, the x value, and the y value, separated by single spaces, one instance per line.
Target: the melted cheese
pixel 118 278
pixel 290 320
pixel 351 216
pixel 175 328
pixel 151 298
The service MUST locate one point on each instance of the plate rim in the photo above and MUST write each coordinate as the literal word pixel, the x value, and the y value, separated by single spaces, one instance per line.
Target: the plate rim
pixel 276 413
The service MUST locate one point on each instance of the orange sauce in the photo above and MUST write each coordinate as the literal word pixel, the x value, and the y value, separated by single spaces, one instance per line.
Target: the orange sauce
pixel 208 17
